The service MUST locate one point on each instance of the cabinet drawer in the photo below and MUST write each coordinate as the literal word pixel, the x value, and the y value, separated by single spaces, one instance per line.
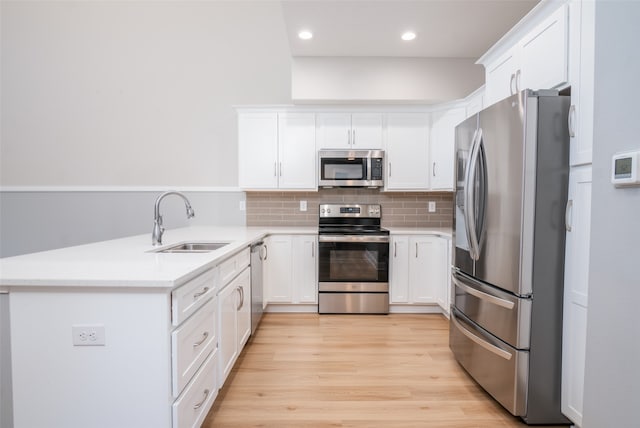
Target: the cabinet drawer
pixel 193 405
pixel 191 343
pixel 186 299
pixel 232 267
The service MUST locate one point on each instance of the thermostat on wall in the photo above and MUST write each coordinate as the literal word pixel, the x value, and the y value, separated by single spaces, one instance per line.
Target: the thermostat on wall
pixel 624 169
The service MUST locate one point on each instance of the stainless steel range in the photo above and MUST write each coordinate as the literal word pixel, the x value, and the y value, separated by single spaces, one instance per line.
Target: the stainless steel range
pixel 353 260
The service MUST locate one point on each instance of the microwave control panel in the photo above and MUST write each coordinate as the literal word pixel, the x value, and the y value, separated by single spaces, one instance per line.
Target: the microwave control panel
pixel 376 168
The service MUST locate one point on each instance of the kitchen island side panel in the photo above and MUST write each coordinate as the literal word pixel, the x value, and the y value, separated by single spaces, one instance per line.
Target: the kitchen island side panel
pixel 125 383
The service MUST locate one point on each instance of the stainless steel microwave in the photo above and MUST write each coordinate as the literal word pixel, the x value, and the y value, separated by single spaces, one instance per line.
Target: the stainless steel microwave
pixel 350 168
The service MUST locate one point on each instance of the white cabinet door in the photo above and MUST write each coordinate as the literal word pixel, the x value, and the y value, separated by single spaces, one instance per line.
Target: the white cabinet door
pixel 500 77
pixel 243 284
pixel 333 130
pixel 576 281
pixel 544 53
pixel 297 151
pixel 581 75
pixel 278 269
pixel 427 265
pixel 366 131
pixel 258 150
pixel 407 151
pixel 538 61
pixel 399 270
pixel 305 268
pixel 228 334
pixel 357 131
pixel 443 277
pixel 442 145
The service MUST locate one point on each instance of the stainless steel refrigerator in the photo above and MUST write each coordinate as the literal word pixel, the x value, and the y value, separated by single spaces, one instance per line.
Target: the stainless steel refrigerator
pixel 512 168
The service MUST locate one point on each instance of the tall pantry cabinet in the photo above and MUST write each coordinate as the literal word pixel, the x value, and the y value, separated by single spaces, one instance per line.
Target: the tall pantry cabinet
pixel 578 209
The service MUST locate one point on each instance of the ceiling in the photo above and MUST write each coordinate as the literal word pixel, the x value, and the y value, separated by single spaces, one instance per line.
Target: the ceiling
pixel 444 28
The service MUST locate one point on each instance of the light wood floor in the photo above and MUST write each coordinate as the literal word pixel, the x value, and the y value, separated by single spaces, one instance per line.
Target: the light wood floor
pixel 307 370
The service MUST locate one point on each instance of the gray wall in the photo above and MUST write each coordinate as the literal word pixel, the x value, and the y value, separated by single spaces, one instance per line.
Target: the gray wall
pixel 38 221
pixel 612 381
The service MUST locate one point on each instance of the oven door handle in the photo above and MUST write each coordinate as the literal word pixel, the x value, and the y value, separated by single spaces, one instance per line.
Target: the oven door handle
pixel 352 238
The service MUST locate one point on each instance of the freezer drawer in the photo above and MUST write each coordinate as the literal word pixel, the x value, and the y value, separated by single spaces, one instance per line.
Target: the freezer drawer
pixel 500 369
pixel 502 314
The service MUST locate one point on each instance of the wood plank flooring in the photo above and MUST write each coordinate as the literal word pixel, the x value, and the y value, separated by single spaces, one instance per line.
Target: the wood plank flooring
pixel 307 370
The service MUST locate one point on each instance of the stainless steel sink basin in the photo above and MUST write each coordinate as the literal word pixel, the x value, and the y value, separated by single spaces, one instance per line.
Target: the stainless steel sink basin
pixel 193 247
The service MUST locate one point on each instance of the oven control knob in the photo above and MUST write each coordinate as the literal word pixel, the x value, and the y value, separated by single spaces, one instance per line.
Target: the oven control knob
pixel 322 211
pixel 328 210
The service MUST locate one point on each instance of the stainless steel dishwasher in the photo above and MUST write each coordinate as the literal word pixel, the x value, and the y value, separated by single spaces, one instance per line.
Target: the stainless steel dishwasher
pixel 257 258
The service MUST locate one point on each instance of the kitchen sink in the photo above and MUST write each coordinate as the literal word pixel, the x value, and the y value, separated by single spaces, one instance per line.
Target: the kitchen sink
pixel 193 247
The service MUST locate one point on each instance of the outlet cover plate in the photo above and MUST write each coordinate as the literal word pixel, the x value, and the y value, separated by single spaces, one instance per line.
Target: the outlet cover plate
pixel 88 335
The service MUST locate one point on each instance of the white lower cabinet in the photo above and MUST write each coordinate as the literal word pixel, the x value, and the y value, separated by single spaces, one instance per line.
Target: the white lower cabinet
pixel 192 407
pixel 234 301
pixel 576 282
pixel 418 270
pixel 291 269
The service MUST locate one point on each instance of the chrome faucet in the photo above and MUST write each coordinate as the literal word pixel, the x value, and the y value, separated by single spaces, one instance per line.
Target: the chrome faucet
pixel 158 230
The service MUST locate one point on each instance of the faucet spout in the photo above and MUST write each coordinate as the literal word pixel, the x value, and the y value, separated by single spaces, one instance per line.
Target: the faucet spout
pixel 158 230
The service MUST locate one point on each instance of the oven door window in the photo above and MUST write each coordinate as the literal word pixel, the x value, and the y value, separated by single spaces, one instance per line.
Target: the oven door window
pixel 353 262
pixel 343 169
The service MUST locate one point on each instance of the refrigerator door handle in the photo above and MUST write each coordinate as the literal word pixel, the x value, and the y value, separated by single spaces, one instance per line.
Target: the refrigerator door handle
pixel 470 179
pixel 484 296
pixel 486 345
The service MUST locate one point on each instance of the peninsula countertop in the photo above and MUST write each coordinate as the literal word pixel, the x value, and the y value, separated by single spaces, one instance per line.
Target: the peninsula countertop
pixel 132 261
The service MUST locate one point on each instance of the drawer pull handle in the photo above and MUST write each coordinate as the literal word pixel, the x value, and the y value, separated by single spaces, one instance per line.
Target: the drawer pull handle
pixel 204 337
pixel 204 290
pixel 206 394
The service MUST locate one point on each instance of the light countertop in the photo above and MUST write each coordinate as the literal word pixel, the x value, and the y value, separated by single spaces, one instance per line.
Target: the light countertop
pixel 131 263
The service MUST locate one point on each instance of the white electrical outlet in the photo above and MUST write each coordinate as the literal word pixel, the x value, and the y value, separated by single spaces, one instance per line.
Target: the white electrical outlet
pixel 243 205
pixel 432 206
pixel 88 335
pixel 303 205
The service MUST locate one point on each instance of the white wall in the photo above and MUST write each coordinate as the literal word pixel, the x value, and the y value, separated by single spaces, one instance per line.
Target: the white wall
pixel 393 80
pixel 612 380
pixel 134 93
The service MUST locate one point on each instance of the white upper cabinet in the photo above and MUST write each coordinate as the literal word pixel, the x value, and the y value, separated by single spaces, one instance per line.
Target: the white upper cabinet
pixel 538 60
pixel 442 145
pixel 258 150
pixel 356 131
pixel 581 75
pixel 407 151
pixel 500 76
pixel 296 151
pixel 544 53
pixel 277 151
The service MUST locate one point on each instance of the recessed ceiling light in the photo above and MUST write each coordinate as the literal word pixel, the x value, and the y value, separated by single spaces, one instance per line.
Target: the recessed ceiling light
pixel 409 35
pixel 305 35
